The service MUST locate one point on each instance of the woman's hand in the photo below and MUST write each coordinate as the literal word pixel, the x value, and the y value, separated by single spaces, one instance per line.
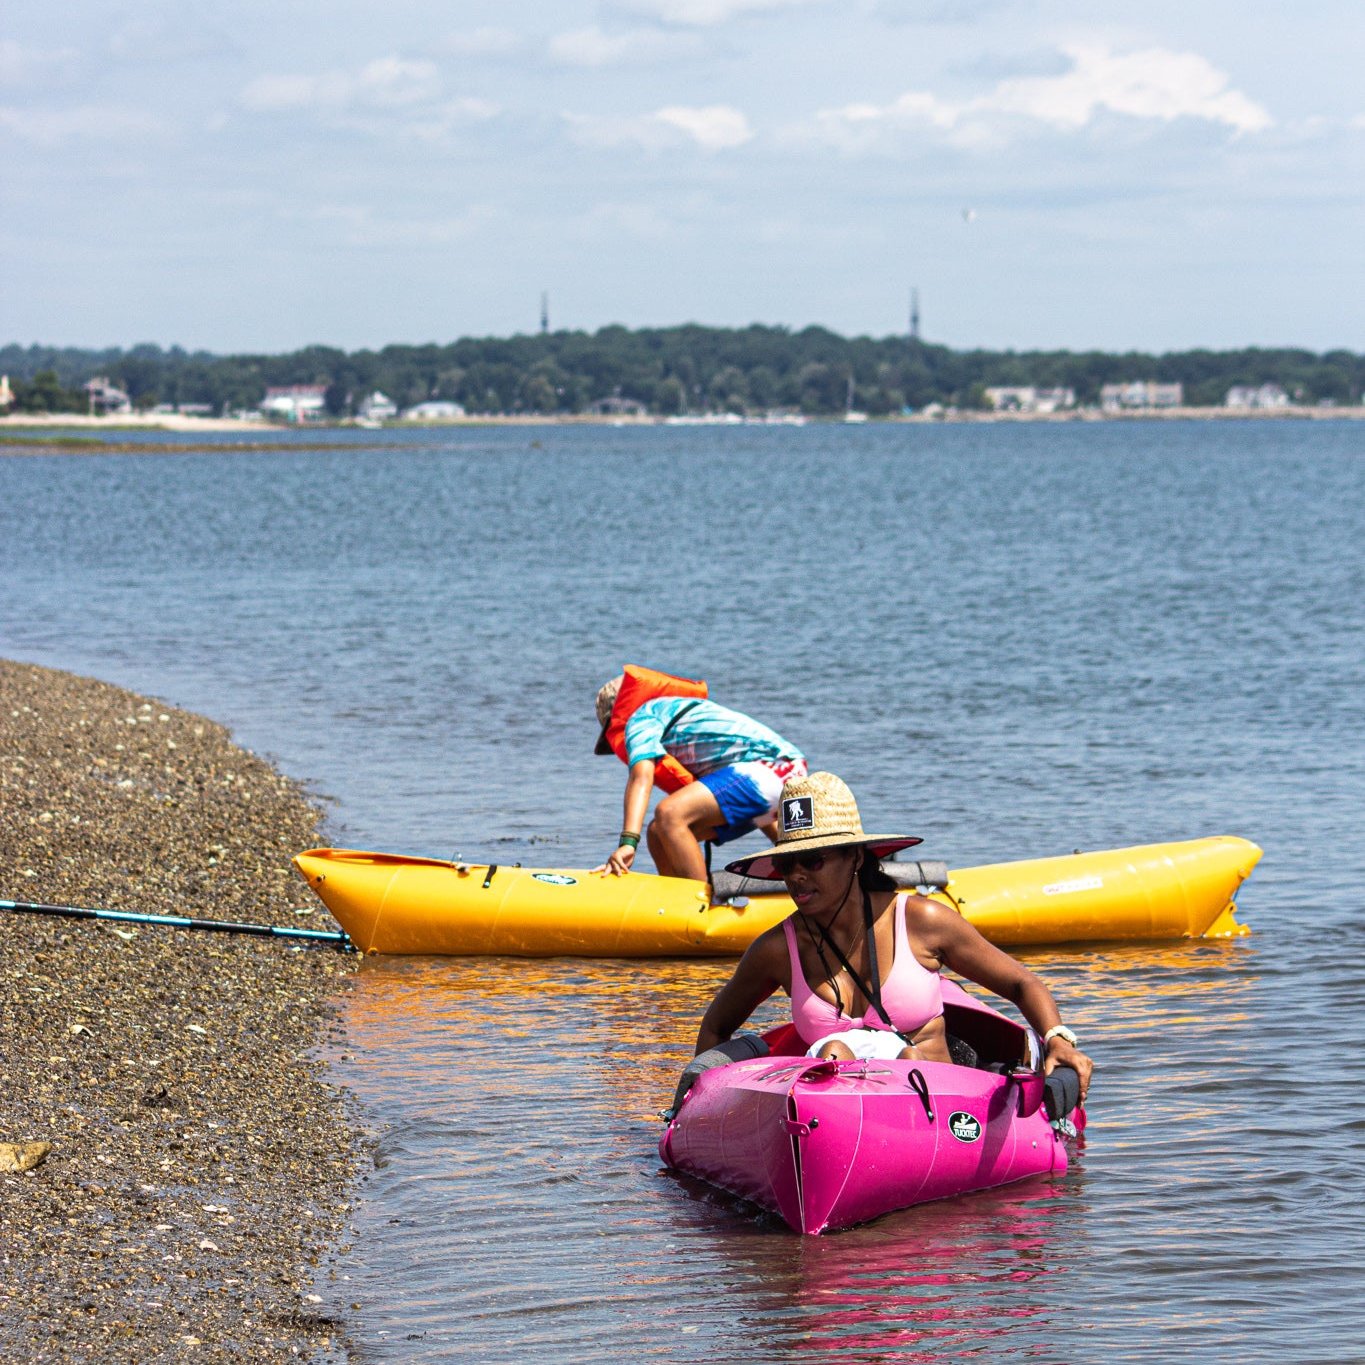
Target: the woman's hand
pixel 1062 1053
pixel 960 947
pixel 619 862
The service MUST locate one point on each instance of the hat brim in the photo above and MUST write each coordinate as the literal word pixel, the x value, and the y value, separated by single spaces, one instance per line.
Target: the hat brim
pixel 760 865
pixel 602 747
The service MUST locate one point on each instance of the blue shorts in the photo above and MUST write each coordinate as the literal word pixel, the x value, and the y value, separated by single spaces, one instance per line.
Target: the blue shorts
pixel 748 793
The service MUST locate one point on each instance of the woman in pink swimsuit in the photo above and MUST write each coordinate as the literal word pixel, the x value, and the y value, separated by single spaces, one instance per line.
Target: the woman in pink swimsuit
pixel 861 962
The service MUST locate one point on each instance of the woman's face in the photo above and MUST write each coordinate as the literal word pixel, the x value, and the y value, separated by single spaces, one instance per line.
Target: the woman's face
pixel 819 882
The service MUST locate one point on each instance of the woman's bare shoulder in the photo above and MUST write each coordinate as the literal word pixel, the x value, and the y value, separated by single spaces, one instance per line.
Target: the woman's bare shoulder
pixel 927 917
pixel 768 953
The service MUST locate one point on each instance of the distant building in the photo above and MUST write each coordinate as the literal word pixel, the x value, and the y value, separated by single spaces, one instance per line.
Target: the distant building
pixel 378 407
pixel 437 410
pixel 185 409
pixel 1141 393
pixel 295 402
pixel 616 406
pixel 6 393
pixel 1030 399
pixel 1264 396
pixel 106 398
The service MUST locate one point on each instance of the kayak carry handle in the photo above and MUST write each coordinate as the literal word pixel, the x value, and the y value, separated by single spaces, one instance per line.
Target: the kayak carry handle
pixel 915 1080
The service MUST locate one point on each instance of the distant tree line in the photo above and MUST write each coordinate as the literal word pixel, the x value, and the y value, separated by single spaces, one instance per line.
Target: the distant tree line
pixel 668 370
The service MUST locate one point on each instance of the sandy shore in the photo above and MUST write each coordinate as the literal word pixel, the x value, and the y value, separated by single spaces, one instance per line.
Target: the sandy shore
pixel 198 1163
pixel 130 421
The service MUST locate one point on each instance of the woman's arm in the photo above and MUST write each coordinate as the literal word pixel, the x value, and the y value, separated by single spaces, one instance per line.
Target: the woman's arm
pixel 961 948
pixel 754 980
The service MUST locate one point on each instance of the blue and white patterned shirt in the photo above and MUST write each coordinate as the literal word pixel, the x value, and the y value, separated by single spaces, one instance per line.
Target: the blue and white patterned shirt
pixel 701 736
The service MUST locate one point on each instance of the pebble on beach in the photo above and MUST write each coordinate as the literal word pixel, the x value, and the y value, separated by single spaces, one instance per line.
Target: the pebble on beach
pixel 182 1164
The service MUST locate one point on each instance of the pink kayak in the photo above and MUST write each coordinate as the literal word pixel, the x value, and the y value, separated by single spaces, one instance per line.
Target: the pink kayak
pixel 829 1144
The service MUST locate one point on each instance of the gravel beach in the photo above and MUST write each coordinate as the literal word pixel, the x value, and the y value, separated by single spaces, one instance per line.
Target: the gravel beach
pixel 199 1165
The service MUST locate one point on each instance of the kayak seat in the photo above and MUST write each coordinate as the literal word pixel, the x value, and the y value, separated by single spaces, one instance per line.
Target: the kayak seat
pixel 990 1040
pixel 962 1052
pixel 727 886
pixel 907 876
pixel 910 875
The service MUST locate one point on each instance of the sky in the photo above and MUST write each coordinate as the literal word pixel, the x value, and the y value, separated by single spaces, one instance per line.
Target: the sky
pixel 1153 175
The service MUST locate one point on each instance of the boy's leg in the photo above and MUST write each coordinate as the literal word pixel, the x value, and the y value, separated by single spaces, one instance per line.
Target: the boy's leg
pixel 681 821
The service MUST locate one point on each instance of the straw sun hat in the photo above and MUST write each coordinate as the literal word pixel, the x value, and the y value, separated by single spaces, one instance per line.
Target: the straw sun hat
pixel 817 811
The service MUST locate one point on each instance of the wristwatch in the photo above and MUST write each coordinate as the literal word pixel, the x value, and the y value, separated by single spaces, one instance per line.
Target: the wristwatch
pixel 1060 1031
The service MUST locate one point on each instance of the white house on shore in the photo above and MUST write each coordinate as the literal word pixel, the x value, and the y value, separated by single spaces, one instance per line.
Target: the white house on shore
pixel 1266 396
pixel 295 402
pixel 1030 399
pixel 436 410
pixel 377 407
pixel 106 398
pixel 1141 393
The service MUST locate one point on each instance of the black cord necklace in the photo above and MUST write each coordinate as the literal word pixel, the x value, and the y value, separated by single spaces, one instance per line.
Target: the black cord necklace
pixel 872 993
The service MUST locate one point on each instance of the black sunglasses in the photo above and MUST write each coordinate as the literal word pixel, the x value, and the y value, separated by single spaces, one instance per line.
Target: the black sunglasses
pixel 786 863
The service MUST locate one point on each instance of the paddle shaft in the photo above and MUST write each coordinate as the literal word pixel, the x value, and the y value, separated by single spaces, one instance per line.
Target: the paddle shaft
pixel 220 926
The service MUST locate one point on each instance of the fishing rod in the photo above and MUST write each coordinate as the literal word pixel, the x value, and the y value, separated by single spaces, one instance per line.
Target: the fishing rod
pixel 222 926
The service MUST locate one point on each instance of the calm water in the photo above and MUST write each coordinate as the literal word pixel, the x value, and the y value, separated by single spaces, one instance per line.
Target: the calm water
pixel 1011 640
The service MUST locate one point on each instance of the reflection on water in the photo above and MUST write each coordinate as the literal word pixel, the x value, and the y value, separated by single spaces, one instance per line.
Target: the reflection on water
pixel 950 1281
pixel 518 1103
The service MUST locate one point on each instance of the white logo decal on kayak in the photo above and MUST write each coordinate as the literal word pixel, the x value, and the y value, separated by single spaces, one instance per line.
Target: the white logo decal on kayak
pixel 964 1127
pixel 1076 884
pixel 555 878
pixel 798 812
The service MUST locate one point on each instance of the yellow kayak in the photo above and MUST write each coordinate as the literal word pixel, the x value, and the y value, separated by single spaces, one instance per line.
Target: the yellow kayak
pixel 388 903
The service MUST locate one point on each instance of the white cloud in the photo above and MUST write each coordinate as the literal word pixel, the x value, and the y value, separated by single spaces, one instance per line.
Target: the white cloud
pixel 705 13
pixel 593 47
pixel 386 83
pixel 388 97
pixel 20 65
pixel 391 82
pixel 1153 84
pixel 85 123
pixel 715 127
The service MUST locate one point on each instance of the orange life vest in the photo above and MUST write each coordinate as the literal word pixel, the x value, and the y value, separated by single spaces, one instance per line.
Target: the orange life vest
pixel 637 687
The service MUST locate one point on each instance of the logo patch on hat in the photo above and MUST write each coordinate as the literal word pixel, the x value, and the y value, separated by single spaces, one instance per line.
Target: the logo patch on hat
pixel 798 812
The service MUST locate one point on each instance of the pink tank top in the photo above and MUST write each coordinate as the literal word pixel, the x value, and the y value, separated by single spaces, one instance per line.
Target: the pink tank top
pixel 912 994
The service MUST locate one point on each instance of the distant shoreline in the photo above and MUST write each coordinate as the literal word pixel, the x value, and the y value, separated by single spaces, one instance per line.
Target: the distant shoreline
pixel 175 422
